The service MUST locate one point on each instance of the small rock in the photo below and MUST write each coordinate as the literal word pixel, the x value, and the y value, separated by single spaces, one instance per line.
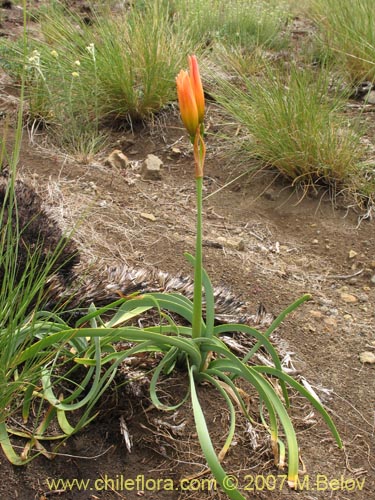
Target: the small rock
pixel 363 297
pixel 325 302
pixel 117 159
pixel 231 243
pixel 315 242
pixel 367 357
pixel 372 279
pixel 372 264
pixel 348 298
pixel 316 314
pixel 370 98
pixel 270 194
pixel 241 245
pixel 150 217
pixel 348 317
pixel 176 151
pixel 333 311
pixel 151 168
pixel 330 321
pixel 352 254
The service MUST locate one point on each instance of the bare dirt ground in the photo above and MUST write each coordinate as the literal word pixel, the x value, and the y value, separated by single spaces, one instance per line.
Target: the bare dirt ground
pixel 269 247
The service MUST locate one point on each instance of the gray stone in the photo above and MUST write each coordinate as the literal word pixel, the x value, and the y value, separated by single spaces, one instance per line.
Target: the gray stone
pixel 370 98
pixel 151 168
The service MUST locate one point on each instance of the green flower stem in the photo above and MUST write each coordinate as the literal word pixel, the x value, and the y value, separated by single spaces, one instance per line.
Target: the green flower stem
pixel 197 300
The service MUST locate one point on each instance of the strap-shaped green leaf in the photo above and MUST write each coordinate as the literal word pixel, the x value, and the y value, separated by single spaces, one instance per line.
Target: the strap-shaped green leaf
pixel 262 341
pixel 206 443
pixel 155 378
pixel 296 385
pixel 230 363
pixel 232 420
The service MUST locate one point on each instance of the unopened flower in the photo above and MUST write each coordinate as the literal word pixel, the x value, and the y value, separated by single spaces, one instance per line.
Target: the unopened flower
pixel 75 74
pixel 187 103
pixel 196 83
pixel 54 54
pixel 191 101
pixel 77 63
pixel 191 97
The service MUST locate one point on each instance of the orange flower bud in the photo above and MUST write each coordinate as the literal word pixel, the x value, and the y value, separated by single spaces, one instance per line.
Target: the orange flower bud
pixel 187 103
pixel 196 83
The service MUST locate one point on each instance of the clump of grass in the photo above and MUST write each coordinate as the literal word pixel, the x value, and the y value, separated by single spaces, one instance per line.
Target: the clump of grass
pixel 32 366
pixel 347 28
pixel 138 54
pixel 239 22
pixel 240 60
pixel 24 270
pixel 82 78
pixel 294 125
pixel 59 99
pixel 34 363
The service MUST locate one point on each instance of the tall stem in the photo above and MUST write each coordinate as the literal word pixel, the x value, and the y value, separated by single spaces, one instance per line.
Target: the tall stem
pixel 197 301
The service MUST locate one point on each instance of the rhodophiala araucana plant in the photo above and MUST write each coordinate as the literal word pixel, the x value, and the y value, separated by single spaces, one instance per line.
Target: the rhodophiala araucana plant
pixel 192 107
pixel 90 352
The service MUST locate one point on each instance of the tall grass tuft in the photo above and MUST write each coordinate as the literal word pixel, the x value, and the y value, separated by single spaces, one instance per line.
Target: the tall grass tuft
pixel 138 54
pixel 133 56
pixel 294 124
pixel 37 347
pixel 22 293
pixel 81 78
pixel 59 99
pixel 347 28
pixel 248 23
